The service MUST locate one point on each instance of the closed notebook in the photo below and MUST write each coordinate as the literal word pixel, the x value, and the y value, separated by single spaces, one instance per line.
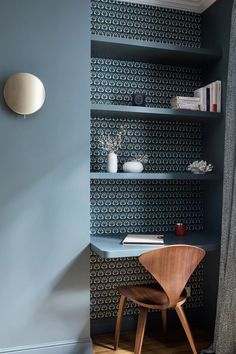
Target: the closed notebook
pixel 134 239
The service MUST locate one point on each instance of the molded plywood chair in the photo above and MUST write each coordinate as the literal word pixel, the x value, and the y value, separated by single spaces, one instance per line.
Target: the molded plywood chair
pixel 172 267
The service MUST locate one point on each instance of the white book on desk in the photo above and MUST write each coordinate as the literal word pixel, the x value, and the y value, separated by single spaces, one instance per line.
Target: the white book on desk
pixel 137 239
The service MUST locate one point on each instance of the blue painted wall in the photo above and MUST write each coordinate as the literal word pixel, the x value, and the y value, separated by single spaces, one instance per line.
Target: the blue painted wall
pixel 44 180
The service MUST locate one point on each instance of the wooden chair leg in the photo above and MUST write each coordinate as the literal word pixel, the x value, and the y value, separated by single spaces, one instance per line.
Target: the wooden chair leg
pixel 184 322
pixel 164 322
pixel 142 319
pixel 119 320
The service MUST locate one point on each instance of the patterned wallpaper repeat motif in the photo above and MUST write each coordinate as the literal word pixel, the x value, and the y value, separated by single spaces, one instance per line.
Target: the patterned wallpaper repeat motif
pixel 129 20
pixel 121 207
pixel 142 206
pixel 107 274
pixel 170 146
pixel 114 82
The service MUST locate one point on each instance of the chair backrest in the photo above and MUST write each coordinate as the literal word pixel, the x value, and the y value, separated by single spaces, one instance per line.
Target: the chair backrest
pixel 172 266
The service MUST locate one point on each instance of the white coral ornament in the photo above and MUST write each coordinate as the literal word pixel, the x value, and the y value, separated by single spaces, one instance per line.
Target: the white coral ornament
pixel 200 167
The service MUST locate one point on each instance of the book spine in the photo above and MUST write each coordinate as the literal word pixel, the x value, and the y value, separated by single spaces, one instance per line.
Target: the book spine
pixel 203 93
pixel 200 93
pixel 211 97
pixel 203 99
pixel 214 97
pixel 185 99
pixel 208 94
pixel 197 93
pixel 207 98
pixel 218 96
pixel 181 104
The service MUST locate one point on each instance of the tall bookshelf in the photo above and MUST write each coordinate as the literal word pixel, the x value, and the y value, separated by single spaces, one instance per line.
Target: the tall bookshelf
pixel 212 60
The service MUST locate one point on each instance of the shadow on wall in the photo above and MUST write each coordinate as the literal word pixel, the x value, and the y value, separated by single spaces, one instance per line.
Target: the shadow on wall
pixel 44 257
pixel 64 300
pixel 72 276
pixel 56 305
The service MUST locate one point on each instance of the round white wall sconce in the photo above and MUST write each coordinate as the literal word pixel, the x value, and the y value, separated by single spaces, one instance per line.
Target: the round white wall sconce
pixel 24 93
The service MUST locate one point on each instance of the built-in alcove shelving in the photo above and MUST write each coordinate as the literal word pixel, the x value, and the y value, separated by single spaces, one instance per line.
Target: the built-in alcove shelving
pixel 154 176
pixel 150 52
pixel 109 246
pixel 165 193
pixel 149 113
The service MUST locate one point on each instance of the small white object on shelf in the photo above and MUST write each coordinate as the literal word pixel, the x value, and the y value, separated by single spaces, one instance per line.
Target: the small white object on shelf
pixel 112 162
pixel 190 103
pixel 112 146
pixel 200 167
pixel 135 166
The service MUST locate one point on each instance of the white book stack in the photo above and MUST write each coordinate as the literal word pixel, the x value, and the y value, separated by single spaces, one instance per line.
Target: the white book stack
pixel 210 97
pixel 181 102
pixel 201 93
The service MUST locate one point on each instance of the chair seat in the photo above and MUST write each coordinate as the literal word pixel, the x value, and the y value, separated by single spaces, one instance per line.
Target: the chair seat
pixel 150 296
pixel 171 267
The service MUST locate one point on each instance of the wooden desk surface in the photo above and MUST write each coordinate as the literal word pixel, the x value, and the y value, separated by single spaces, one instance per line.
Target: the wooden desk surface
pixel 110 247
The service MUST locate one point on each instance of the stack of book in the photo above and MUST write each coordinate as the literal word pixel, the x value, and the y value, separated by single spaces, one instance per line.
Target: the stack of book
pixel 190 103
pixel 135 239
pixel 210 97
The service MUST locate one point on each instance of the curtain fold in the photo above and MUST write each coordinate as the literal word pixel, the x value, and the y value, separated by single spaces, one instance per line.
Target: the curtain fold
pixel 225 328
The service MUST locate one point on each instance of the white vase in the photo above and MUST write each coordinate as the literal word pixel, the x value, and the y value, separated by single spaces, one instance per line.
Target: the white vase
pixel 133 166
pixel 112 162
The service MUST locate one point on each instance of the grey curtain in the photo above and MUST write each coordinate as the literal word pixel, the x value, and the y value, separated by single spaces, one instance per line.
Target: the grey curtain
pixel 225 329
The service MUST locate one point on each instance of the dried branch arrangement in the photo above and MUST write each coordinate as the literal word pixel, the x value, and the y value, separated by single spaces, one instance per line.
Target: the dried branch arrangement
pixel 113 144
pixel 143 158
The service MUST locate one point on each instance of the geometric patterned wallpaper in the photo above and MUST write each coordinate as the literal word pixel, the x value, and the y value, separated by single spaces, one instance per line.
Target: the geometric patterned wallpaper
pixel 107 274
pixel 119 207
pixel 144 22
pixel 170 146
pixel 114 82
